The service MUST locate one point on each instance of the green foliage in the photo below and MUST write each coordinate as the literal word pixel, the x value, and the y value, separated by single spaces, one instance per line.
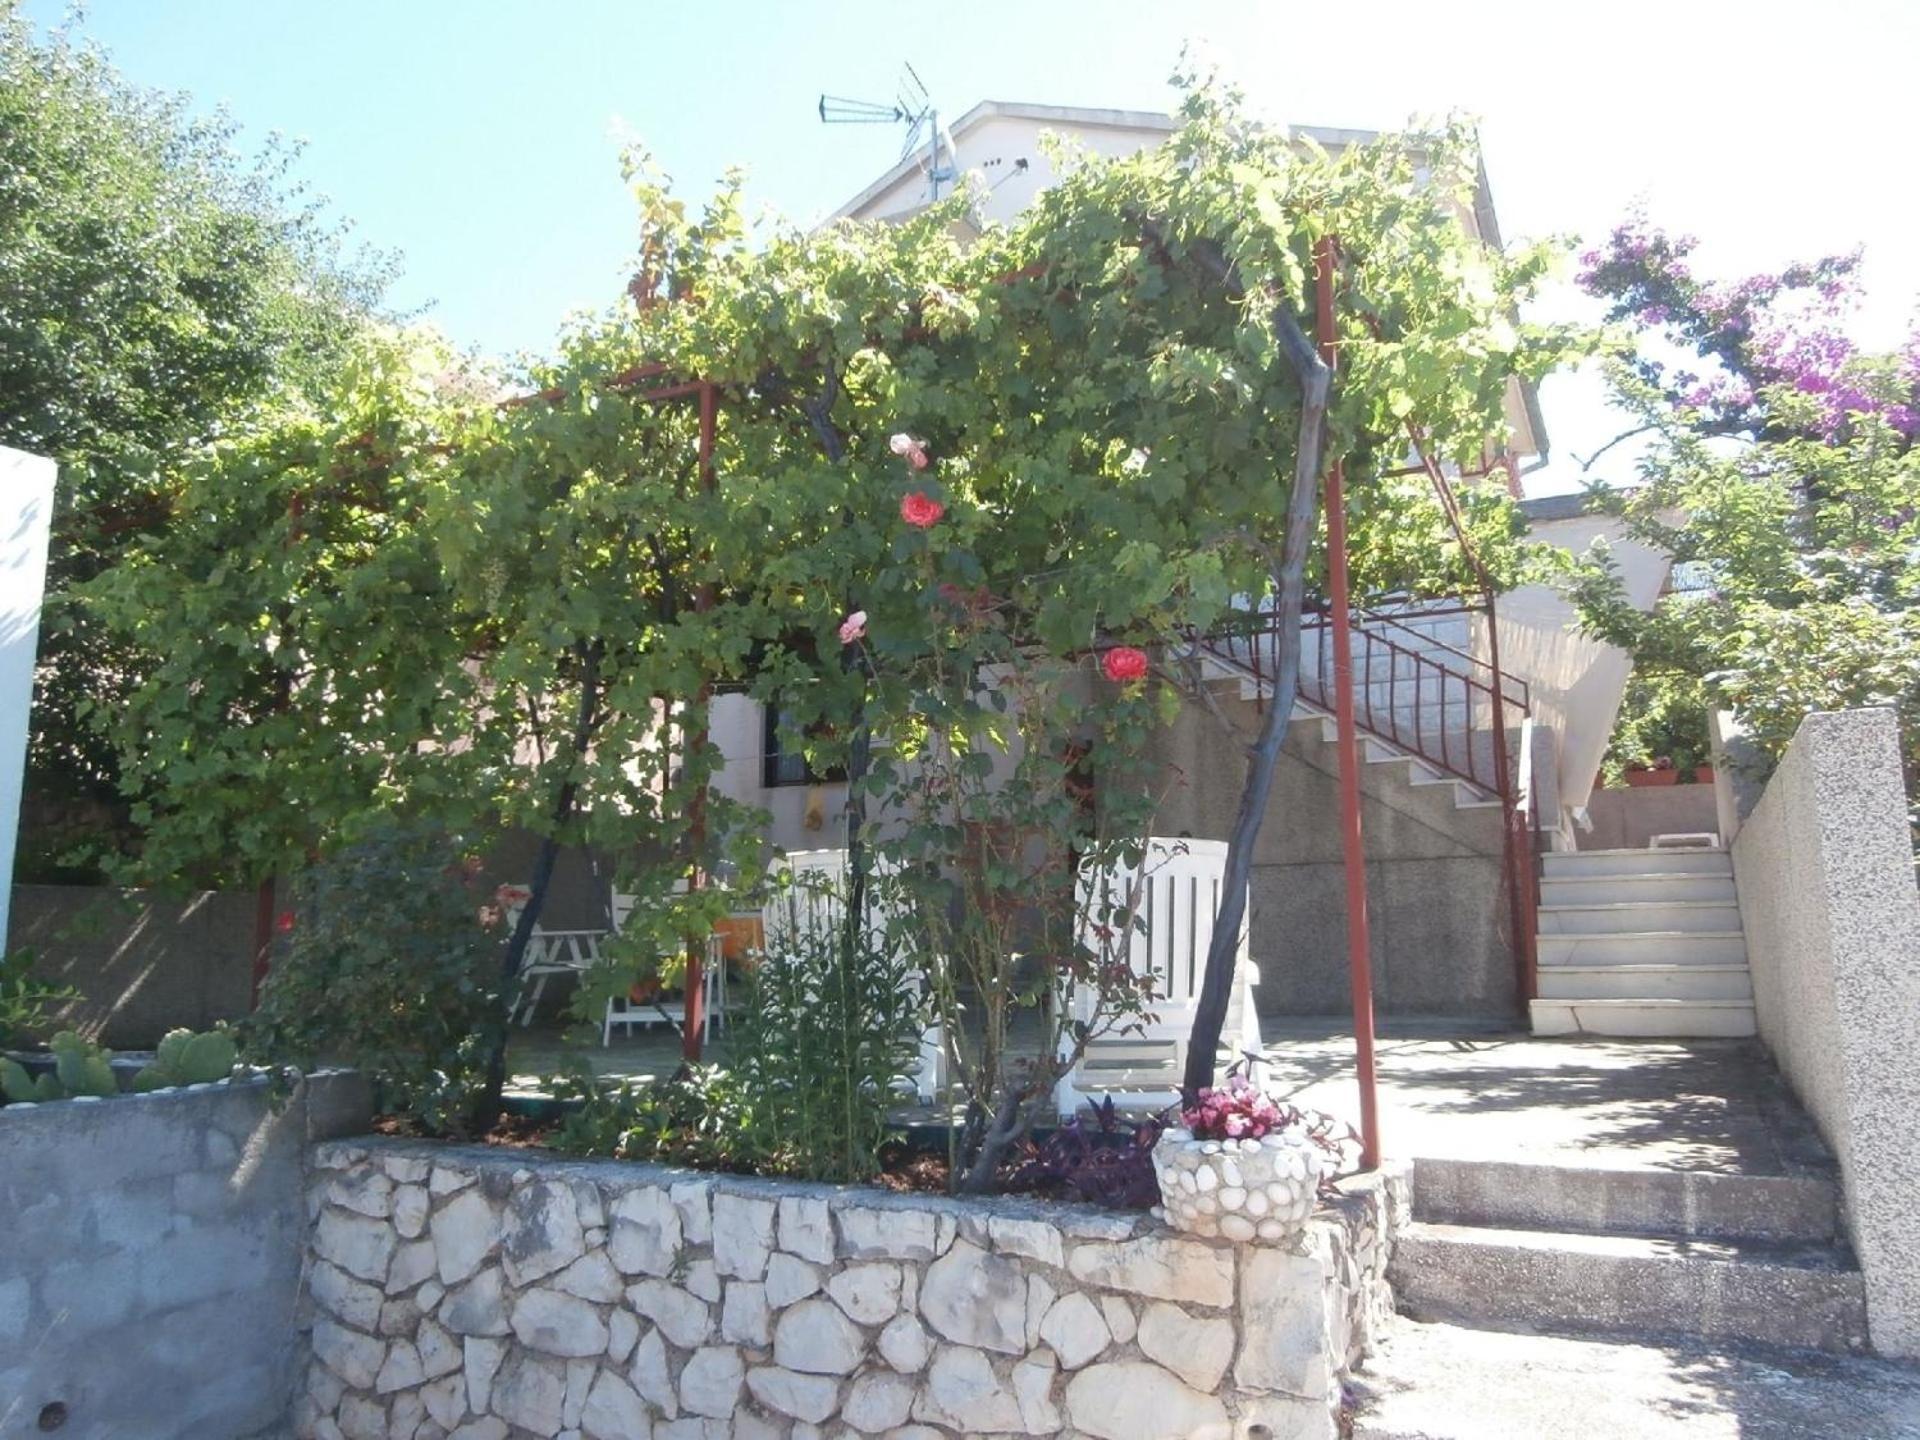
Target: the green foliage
pixel 407 597
pixel 815 1060
pixel 159 290
pixel 79 1068
pixel 184 1058
pixel 387 967
pixel 703 1117
pixel 1807 546
pixel 829 1032
pixel 1662 725
pixel 26 1001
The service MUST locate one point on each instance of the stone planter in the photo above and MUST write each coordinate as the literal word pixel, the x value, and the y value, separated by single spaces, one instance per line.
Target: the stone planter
pixel 1239 1190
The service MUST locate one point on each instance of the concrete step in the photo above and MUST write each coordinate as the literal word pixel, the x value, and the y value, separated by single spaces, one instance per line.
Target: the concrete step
pixel 1647 887
pixel 1535 1280
pixel 1645 982
pixel 1801 1208
pixel 1445 1382
pixel 1630 917
pixel 1646 947
pixel 1673 1020
pixel 1646 1018
pixel 1559 863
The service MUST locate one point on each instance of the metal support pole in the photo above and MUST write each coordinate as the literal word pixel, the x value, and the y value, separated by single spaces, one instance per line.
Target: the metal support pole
pixel 694 1017
pixel 1352 845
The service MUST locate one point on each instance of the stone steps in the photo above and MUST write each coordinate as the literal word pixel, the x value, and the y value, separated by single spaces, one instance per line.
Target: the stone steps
pixel 1442 1382
pixel 1802 1207
pixel 1644 1017
pixel 1568 1282
pixel 1658 981
pixel 1641 943
pixel 1562 864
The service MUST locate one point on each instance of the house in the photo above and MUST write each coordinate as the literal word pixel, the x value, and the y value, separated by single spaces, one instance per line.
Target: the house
pixel 1435 812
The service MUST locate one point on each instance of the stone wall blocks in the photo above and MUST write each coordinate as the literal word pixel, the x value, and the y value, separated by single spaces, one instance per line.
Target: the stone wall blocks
pixel 465 1231
pixel 742 1235
pixel 789 1279
pixel 869 1293
pixel 816 1338
pixel 555 1323
pixel 710 1381
pixel 973 1297
pixel 806 1228
pixel 542 1232
pixel 811 1398
pixel 614 1410
pixel 681 1318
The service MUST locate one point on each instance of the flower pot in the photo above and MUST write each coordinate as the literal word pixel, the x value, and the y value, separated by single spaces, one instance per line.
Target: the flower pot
pixel 1241 1190
pixel 1703 774
pixel 1653 777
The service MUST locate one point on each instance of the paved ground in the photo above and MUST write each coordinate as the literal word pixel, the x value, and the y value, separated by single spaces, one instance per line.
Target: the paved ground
pixel 1693 1105
pixel 1436 1382
pixel 1699 1105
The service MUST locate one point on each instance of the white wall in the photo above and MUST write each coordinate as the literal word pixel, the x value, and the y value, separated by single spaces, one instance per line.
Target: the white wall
pixel 1577 682
pixel 26 513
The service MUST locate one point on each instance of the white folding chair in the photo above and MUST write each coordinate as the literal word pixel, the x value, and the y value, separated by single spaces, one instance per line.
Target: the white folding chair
pixel 817 901
pixel 1173 897
pixel 549 953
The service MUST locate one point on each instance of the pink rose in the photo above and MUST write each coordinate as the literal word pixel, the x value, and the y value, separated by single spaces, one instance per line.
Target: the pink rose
pixel 1124 665
pixel 853 627
pixel 921 510
pixel 903 444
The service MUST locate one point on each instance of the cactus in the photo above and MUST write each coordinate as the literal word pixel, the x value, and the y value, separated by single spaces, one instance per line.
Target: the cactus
pixel 79 1068
pixel 15 1083
pixel 185 1058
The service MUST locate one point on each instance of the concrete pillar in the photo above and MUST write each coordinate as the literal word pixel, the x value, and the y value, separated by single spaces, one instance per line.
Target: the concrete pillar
pixel 26 515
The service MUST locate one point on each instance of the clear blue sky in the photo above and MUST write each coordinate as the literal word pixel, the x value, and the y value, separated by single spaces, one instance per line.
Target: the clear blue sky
pixel 476 136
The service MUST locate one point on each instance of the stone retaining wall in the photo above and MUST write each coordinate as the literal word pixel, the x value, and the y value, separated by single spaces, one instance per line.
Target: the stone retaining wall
pixel 151 1266
pixel 486 1294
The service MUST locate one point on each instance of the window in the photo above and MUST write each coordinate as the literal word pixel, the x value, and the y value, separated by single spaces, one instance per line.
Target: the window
pixel 782 766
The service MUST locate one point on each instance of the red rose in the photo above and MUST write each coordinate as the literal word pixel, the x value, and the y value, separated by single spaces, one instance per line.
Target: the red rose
pixel 1123 664
pixel 285 923
pixel 920 510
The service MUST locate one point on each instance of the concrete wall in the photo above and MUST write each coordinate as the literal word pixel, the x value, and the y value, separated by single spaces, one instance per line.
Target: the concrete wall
pixel 143 962
pixel 150 1274
pixel 1824 867
pixel 476 1290
pixel 1577 682
pixel 1437 911
pixel 1627 817
pixel 26 516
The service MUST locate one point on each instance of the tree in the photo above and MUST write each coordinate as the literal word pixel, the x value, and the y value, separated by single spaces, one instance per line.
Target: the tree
pixel 1782 470
pixel 1092 432
pixel 156 289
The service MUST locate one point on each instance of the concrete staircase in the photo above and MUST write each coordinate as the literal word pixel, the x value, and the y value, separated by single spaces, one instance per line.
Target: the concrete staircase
pixel 1641 942
pixel 1673 1254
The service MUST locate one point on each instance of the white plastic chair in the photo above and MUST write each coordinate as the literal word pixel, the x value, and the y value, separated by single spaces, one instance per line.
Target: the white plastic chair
pixel 625 1011
pixel 817 901
pixel 1175 901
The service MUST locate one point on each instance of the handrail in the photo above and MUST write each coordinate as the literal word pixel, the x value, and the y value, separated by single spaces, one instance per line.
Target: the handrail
pixel 1417 684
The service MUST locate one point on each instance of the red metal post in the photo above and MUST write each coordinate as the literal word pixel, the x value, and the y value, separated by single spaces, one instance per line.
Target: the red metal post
pixel 1353 846
pixel 695 1017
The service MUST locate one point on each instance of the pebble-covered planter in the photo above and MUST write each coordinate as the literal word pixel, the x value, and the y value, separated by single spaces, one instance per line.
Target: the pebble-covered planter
pixel 1242 1190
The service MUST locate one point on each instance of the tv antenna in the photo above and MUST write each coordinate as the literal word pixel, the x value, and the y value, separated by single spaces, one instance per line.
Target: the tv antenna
pixel 911 107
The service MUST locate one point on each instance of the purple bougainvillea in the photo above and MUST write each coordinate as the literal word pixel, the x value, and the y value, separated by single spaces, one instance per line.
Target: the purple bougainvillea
pixel 1777 331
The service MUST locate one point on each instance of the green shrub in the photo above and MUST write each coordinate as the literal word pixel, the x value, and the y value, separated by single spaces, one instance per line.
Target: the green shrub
pixel 388 968
pixel 816 1061
pixel 27 1003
